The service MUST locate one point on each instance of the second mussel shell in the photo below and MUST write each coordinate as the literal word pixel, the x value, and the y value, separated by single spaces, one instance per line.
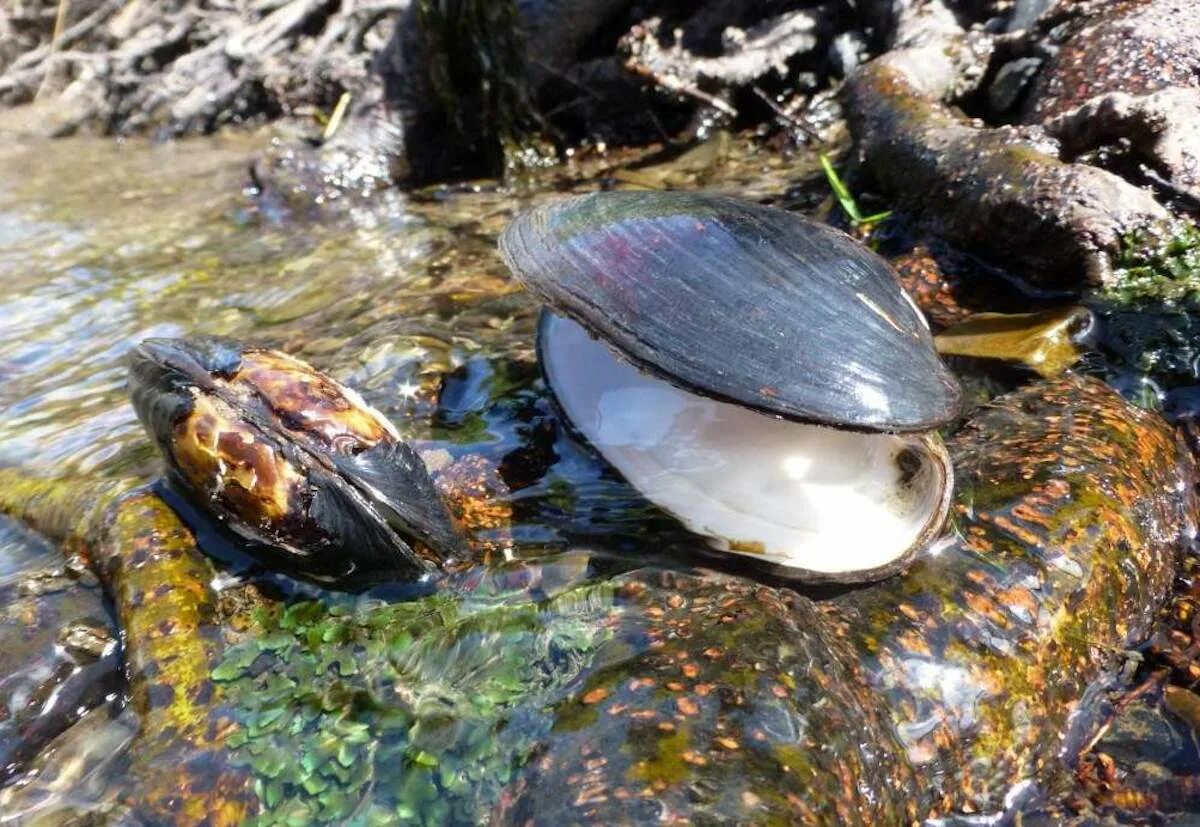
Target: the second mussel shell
pixel 300 465
pixel 748 304
pixel 762 377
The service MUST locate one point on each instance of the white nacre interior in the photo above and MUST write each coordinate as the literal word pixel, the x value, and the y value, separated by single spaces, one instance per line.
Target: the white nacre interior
pixel 797 495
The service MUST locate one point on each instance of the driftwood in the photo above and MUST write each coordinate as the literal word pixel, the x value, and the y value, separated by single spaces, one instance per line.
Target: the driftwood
pixel 133 65
pixel 1005 191
pixel 748 55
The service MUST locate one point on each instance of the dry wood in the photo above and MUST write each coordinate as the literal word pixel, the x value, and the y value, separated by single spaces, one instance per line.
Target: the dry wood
pixel 129 65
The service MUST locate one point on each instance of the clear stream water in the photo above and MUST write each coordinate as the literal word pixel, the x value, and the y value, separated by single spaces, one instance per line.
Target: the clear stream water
pixel 402 297
pixel 396 706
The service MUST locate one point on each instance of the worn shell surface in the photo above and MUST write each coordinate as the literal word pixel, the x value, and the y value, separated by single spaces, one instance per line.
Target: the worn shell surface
pixel 740 302
pixel 292 460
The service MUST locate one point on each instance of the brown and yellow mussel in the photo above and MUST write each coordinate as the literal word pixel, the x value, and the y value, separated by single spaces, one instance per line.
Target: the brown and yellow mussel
pixel 316 479
pixel 762 377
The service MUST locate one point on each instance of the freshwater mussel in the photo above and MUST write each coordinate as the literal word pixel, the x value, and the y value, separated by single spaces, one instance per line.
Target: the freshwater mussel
pixel 764 378
pixel 316 479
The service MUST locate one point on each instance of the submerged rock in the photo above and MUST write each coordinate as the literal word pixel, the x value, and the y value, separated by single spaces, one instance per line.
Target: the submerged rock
pixel 69 781
pixel 544 694
pixel 937 691
pixel 1073 507
pixel 58 645
pixel 162 587
pixel 717 700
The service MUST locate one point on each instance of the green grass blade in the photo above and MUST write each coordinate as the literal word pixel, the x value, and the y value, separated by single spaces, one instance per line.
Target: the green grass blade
pixel 840 191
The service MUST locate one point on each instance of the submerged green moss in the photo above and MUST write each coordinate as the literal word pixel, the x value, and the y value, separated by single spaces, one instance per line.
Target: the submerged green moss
pixel 1160 265
pixel 1150 315
pixel 414 712
pixel 477 70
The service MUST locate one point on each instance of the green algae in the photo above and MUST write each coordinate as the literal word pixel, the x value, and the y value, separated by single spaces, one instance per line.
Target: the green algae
pixel 667 764
pixel 1159 265
pixel 374 711
pixel 1149 314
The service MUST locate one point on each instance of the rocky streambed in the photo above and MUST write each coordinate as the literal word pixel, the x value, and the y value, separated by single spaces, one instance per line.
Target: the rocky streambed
pixel 592 662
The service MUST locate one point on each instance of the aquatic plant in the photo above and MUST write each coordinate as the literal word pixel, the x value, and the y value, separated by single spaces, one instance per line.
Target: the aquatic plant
pixel 1159 265
pixel 418 711
pixel 1148 315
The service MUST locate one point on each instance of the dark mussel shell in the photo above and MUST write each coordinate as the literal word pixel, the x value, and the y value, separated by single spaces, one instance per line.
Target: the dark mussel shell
pixel 741 302
pixel 291 460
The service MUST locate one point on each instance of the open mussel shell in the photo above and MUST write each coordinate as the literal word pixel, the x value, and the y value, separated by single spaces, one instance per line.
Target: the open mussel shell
pixel 290 459
pixel 744 303
pixel 806 502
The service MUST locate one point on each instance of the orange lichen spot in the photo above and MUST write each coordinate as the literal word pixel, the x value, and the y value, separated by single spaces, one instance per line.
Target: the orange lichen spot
pixel 912 643
pixel 476 495
pixel 1019 601
pixel 985 607
pixel 632 590
pixel 594 696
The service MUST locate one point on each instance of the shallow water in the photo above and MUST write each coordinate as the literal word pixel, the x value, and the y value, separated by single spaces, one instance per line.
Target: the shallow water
pixel 402 297
pixel 404 704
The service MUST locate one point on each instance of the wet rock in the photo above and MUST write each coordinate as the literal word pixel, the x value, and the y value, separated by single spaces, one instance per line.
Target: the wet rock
pixel 1132 46
pixel 717 700
pixel 982 652
pixel 937 691
pixel 985 188
pixel 1122 87
pixel 162 587
pixel 71 779
pixel 1025 13
pixel 58 646
pixel 1012 81
pixel 1142 731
